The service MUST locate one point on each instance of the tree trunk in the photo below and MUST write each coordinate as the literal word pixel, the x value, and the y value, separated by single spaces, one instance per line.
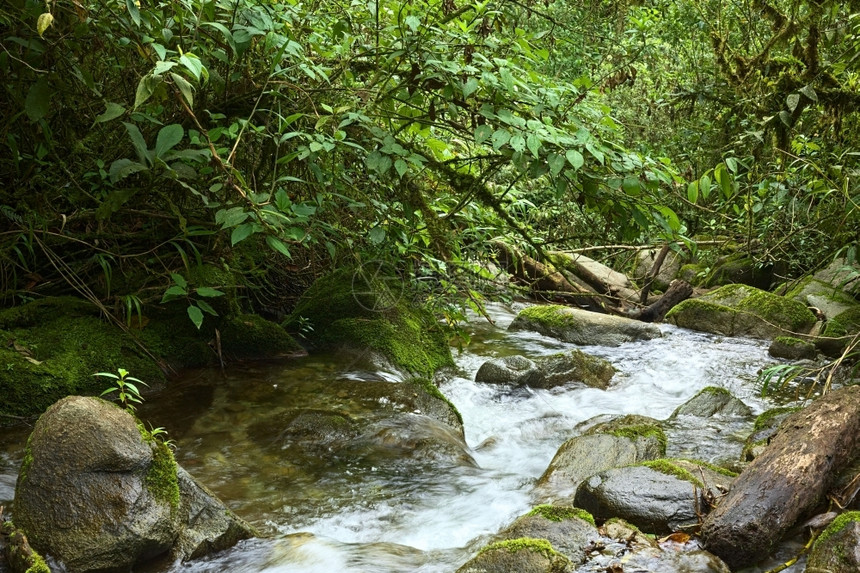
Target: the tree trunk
pixel 787 481
pixel 678 291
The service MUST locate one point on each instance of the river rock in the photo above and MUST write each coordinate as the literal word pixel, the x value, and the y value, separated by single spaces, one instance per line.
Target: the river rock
pixel 548 371
pixel 741 310
pixel 837 549
pixel 660 497
pixel 712 401
pixel 792 348
pixel 96 496
pixel 582 327
pixel 524 555
pixel 787 481
pixel 842 275
pixel 621 442
pixel 569 530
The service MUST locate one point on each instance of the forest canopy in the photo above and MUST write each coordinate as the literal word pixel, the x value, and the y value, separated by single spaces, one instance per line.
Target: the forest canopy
pixel 277 139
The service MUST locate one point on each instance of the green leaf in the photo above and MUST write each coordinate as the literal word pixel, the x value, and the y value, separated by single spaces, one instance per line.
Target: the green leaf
pixel 112 111
pixel 241 233
pixel 401 167
pixel 631 186
pixel 376 235
pixel 518 143
pixel 138 142
pixel 179 279
pixel 507 79
pixel 185 88
pixel 482 133
pixel 209 292
pixel 596 153
pixel 574 158
pixel 724 180
pixel 122 168
pixel 470 87
pixel 196 316
pixel 533 143
pixel 133 11
pixel 38 101
pixel 43 22
pixel 732 164
pixel 556 163
pixel 500 137
pixel 145 88
pixel 206 307
pixel 414 22
pixel 279 246
pixel 193 64
pixel 174 292
pixel 791 101
pixel 785 118
pixel 168 137
pixel 693 191
pixel 705 185
pixel 809 92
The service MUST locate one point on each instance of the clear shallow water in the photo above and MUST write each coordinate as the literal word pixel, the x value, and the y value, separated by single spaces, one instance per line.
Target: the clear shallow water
pixel 329 511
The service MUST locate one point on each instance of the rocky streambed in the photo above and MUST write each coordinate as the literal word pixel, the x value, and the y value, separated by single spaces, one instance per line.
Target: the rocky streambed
pixel 344 466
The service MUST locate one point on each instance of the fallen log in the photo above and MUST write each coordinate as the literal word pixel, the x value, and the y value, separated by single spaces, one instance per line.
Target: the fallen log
pixel 787 481
pixel 678 291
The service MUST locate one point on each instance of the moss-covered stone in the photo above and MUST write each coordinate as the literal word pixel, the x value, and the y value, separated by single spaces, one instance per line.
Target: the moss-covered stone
pixel 835 550
pixel 737 310
pixel 161 480
pixel 19 553
pixel 633 427
pixel 836 526
pixel 739 268
pixel 248 336
pixel 792 348
pixel 580 326
pixel 428 386
pixel 669 467
pixel 693 273
pixel 370 316
pixel 559 513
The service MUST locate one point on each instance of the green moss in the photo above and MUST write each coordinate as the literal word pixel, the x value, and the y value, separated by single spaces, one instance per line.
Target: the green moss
pixel 642 431
pixel 552 315
pixel 778 310
pixel 668 467
pixel 248 336
pixel 790 341
pixel 714 468
pixel 426 385
pixel 161 479
pixel 37 564
pixel 541 546
pixel 836 526
pixel 714 390
pixel 763 420
pixel 560 513
pixel 843 324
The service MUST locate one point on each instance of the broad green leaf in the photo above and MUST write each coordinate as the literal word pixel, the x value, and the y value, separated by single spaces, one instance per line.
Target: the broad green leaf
pixel 279 246
pixel 809 92
pixel 414 22
pixel 137 141
pixel 112 111
pixel 470 87
pixel 376 235
pixel 791 101
pixel 168 137
pixel 209 292
pixel 193 64
pixel 179 279
pixel 534 144
pixel 631 186
pixel 482 133
pixel 43 22
pixel 724 180
pixel 732 164
pixel 161 67
pixel 196 316
pixel 145 88
pixel 173 293
pixel 500 137
pixel 231 217
pixel 206 307
pixel 556 163
pixel 785 118
pixel 507 79
pixel 705 185
pixel 693 191
pixel 185 88
pixel 596 153
pixel 575 158
pixel 122 168
pixel 38 101
pixel 518 143
pixel 401 167
pixel 241 233
pixel 133 11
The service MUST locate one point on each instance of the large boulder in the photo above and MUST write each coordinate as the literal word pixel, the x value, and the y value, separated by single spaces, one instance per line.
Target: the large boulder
pixel 620 442
pixel 740 310
pixel 659 496
pixel 97 492
pixel 582 327
pixel 837 549
pixel 712 401
pixel 548 371
pixel 842 275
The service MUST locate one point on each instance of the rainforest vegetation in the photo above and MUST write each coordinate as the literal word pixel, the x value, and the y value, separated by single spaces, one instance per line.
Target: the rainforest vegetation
pixel 159 152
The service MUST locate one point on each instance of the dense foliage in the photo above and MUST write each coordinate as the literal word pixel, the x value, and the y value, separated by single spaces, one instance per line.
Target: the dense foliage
pixel 142 139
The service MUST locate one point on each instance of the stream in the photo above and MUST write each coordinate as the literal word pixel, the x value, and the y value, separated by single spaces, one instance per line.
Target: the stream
pixel 327 513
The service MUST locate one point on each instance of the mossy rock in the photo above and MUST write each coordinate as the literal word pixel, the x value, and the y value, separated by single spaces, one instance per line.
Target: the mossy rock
pixel 249 337
pixel 570 530
pixel 523 555
pixel 792 348
pixel 368 315
pixel 838 332
pixel 739 268
pixel 693 273
pixel 711 401
pixel 835 550
pixel 632 426
pixel 52 347
pixel 741 310
pixel 579 326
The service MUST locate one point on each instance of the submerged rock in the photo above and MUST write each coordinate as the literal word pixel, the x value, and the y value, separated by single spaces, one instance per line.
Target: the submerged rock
pixel 582 327
pixel 659 496
pixel 96 496
pixel 548 371
pixel 621 442
pixel 740 310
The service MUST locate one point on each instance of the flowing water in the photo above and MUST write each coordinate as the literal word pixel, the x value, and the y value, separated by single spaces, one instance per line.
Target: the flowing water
pixel 328 512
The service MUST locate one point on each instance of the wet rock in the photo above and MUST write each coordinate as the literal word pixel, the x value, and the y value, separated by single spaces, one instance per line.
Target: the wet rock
pixel 582 327
pixel 548 371
pixel 95 495
pixel 787 481
pixel 659 496
pixel 569 530
pixel 792 348
pixel 621 442
pixel 509 370
pixel 740 310
pixel 839 274
pixel 837 549
pixel 712 401
pixel 766 425
pixel 524 555
pixel 828 299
